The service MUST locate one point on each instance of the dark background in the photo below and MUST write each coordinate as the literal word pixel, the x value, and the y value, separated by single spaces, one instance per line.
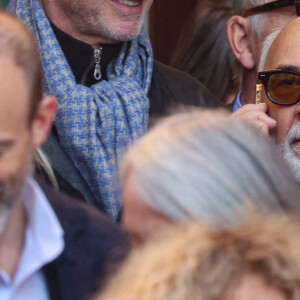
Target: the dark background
pixel 166 20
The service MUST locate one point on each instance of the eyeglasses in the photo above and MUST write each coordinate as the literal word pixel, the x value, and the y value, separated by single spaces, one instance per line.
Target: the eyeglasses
pixel 282 87
pixel 272 6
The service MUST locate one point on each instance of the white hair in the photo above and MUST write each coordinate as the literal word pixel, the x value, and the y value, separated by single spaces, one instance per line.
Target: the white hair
pixel 290 154
pixel 208 165
pixel 240 6
pixel 269 40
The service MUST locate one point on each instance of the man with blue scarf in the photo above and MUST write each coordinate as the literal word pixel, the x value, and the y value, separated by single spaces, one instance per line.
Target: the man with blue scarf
pixel 98 62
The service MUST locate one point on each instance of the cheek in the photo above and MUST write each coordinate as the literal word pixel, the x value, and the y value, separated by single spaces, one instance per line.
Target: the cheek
pixel 12 179
pixel 14 171
pixel 285 117
pixel 16 163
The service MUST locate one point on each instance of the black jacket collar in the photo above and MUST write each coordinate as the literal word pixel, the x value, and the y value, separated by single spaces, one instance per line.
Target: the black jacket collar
pixel 80 55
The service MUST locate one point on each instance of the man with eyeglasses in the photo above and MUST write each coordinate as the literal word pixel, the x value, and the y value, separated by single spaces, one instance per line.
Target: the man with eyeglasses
pixel 253 21
pixel 280 94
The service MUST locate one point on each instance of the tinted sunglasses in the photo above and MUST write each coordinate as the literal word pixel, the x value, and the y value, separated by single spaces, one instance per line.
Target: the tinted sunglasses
pixel 282 87
pixel 272 6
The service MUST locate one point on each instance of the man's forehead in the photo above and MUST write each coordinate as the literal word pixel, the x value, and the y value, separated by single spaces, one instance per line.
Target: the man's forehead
pixel 285 48
pixel 13 89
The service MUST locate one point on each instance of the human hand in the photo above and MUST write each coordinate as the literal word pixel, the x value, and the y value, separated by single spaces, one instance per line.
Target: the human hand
pixel 256 114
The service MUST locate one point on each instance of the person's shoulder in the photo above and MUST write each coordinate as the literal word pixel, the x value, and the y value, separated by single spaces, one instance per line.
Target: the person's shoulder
pixel 171 87
pixel 170 74
pixel 76 216
pixel 94 246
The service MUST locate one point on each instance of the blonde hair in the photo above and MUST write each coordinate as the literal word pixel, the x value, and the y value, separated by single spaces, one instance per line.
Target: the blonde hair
pixel 42 162
pixel 197 262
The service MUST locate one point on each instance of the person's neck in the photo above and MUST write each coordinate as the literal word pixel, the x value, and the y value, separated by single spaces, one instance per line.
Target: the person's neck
pixel 80 57
pixel 248 87
pixel 12 239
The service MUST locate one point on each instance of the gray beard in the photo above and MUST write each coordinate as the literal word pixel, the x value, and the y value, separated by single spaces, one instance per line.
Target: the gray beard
pixel 291 154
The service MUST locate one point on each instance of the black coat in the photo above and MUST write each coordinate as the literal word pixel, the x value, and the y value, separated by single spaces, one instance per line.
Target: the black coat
pixel 93 243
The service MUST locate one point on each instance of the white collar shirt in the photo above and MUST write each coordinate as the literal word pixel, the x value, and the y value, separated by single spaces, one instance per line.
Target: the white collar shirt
pixel 237 104
pixel 44 242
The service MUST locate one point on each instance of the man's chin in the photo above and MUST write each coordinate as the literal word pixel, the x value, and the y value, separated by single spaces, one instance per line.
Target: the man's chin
pixel 128 31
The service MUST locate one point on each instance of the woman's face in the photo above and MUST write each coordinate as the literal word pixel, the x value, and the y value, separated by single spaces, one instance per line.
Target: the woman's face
pixel 138 219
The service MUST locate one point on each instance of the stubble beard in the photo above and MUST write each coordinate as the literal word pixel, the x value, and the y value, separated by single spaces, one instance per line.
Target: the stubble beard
pixel 10 193
pixel 291 153
pixel 116 33
pixel 7 201
pixel 93 22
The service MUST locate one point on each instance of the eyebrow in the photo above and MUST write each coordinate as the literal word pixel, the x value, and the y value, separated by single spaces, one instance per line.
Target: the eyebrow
pixel 289 68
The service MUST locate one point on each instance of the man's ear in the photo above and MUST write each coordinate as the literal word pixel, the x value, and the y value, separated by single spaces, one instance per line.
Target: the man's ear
pixel 238 29
pixel 43 120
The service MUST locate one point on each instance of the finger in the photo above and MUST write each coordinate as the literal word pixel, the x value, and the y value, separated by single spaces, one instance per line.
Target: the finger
pixel 255 115
pixel 251 107
pixel 267 119
pixel 261 126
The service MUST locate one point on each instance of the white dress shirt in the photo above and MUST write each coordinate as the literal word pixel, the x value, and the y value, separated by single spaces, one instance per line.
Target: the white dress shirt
pixel 237 103
pixel 43 243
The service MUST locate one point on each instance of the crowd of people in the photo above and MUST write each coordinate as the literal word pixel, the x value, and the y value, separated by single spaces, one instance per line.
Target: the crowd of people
pixel 124 178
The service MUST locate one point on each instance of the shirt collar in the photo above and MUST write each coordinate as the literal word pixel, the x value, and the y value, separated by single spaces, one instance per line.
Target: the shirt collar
pixel 80 55
pixel 237 103
pixel 44 240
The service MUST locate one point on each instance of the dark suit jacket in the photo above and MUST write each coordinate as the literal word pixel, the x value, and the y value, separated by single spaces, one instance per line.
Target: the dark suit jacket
pixel 171 88
pixel 91 241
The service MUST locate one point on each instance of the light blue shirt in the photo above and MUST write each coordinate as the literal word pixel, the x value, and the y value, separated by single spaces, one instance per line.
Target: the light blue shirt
pixel 237 103
pixel 43 243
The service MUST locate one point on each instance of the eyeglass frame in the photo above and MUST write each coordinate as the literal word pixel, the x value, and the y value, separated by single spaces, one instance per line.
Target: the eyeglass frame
pixel 264 77
pixel 272 6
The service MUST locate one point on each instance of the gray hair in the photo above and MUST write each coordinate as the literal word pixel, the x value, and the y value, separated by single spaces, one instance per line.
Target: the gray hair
pixel 208 165
pixel 269 40
pixel 240 6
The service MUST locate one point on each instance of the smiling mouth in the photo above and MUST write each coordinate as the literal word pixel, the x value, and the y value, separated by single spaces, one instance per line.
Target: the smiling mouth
pixel 130 3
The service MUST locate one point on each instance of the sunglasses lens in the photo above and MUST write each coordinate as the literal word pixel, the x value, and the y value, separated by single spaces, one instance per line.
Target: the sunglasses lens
pixel 284 88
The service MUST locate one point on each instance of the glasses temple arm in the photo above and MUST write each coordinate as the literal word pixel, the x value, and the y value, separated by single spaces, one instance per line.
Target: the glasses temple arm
pixel 258 93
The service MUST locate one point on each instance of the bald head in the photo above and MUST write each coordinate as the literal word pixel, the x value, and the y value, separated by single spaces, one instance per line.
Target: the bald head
pixel 285 46
pixel 17 43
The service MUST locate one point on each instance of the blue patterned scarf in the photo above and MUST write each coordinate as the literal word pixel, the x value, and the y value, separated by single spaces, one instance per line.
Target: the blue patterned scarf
pixel 95 125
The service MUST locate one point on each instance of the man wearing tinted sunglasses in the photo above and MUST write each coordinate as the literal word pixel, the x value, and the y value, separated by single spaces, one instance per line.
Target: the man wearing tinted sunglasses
pixel 253 21
pixel 280 79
